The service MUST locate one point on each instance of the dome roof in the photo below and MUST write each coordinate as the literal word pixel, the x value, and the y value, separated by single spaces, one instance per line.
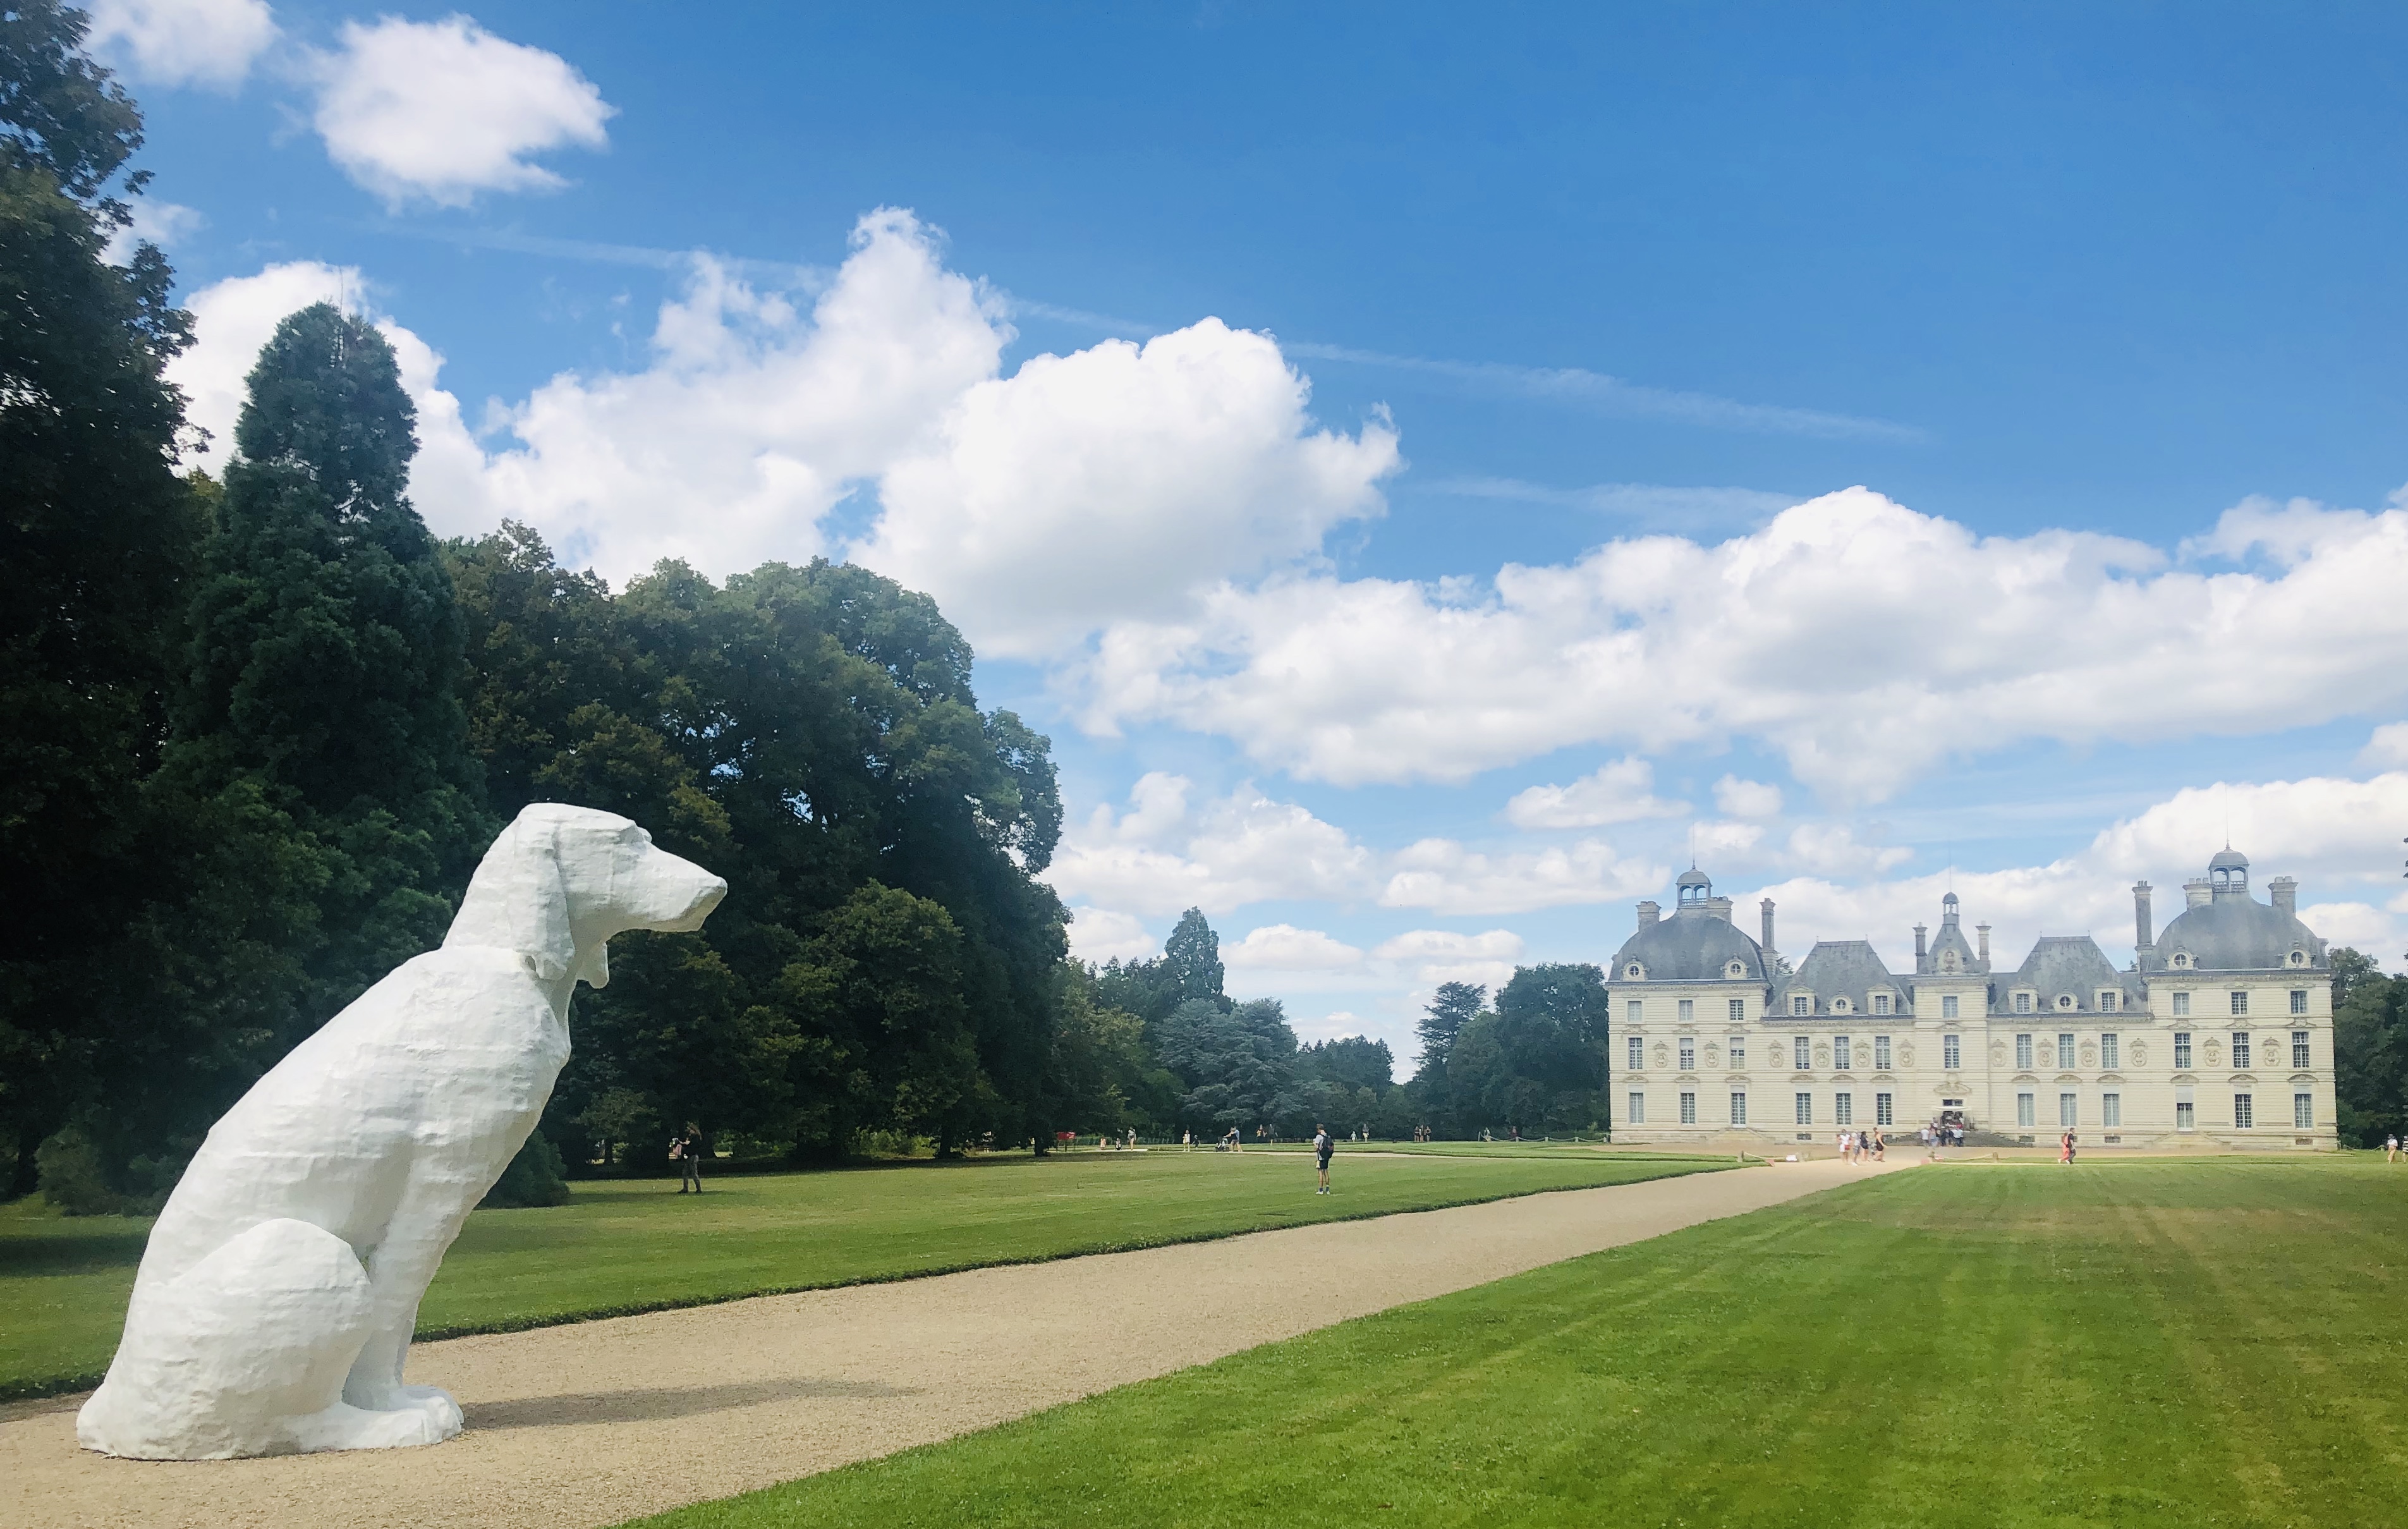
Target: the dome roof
pixel 1691 946
pixel 1693 878
pixel 2228 860
pixel 2238 934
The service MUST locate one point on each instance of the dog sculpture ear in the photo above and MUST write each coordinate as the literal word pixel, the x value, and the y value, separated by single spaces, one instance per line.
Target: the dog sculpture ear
pixel 518 901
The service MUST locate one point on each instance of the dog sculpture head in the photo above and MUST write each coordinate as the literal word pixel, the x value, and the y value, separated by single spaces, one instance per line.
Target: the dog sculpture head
pixel 560 881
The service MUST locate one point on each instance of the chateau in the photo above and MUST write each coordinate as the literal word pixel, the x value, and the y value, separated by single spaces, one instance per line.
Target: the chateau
pixel 2219 1035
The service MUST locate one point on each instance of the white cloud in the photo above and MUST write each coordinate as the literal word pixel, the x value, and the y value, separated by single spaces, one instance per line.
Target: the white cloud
pixel 1723 841
pixel 1443 876
pixel 163 224
pixel 1832 850
pixel 183 42
pixel 440 111
pixel 1284 948
pixel 1739 798
pixel 1443 955
pixel 1865 642
pixel 2389 746
pixel 1163 855
pixel 1109 483
pixel 231 321
pixel 1099 935
pixel 1621 791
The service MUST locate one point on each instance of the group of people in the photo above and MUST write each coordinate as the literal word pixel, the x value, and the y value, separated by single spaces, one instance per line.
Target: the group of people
pixel 1863 1146
pixel 1938 1135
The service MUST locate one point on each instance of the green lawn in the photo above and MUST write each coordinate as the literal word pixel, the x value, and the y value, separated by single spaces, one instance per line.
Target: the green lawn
pixel 2185 1343
pixel 638 1245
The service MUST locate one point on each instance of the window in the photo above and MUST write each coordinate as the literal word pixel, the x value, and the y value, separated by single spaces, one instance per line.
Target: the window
pixel 2024 1115
pixel 1637 1113
pixel 1844 1110
pixel 2065 1110
pixel 2181 1005
pixel 1883 1113
pixel 1840 1006
pixel 2299 1047
pixel 1799 1058
pixel 2183 1119
pixel 2023 1003
pixel 1688 1108
pixel 1632 971
pixel 1843 1053
pixel 1739 1011
pixel 2299 1000
pixel 2182 1049
pixel 2239 1048
pixel 1688 1011
pixel 2065 1050
pixel 1689 1053
pixel 1738 1052
pixel 2111 1110
pixel 2299 958
pixel 2244 1112
pixel 2065 1000
pixel 2303 1111
pixel 1638 1058
pixel 1805 1109
pixel 1738 1109
pixel 2182 962
pixel 1880 1003
pixel 1880 1054
pixel 2107 1001
pixel 2241 1001
pixel 1634 1011
pixel 1800 1003
pixel 2111 1052
pixel 2023 1052
pixel 1948 1006
pixel 1949 1051
pixel 1736 970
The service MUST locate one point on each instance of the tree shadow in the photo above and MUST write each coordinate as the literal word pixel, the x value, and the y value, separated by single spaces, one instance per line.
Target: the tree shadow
pixel 662 1403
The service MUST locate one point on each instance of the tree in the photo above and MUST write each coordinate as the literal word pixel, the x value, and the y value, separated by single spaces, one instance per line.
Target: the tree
pixel 1537 1063
pixel 1237 1063
pixel 1191 958
pixel 2370 1050
pixel 1350 1061
pixel 97 536
pixel 1453 1007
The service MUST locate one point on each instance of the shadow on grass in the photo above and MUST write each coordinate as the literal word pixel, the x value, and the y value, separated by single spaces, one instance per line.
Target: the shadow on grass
pixel 71 1252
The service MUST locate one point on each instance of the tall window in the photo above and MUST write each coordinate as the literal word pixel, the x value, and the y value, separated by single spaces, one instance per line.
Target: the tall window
pixel 1843 1053
pixel 1738 1052
pixel 1634 1010
pixel 2244 1112
pixel 2107 1002
pixel 2240 1047
pixel 1688 1011
pixel 2023 1003
pixel 1883 1114
pixel 1738 1109
pixel 2023 1052
pixel 1689 1053
pixel 2065 1050
pixel 2182 1049
pixel 1637 1049
pixel 1739 1011
pixel 2111 1110
pixel 1844 1110
pixel 2109 1053
pixel 2299 1047
pixel 2299 1000
pixel 1880 1003
pixel 1948 1005
pixel 1805 1109
pixel 2025 1116
pixel 2181 1005
pixel 1799 1057
pixel 2240 1000
pixel 2065 1110
pixel 1880 1054
pixel 1688 1108
pixel 1949 1051
pixel 1637 1113
pixel 2185 1118
pixel 1800 1003
pixel 2303 1111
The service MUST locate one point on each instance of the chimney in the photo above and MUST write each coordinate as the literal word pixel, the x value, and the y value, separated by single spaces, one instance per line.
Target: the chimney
pixel 1649 913
pixel 1982 934
pixel 1922 954
pixel 1764 908
pixel 1720 907
pixel 2286 893
pixel 2197 893
pixel 2142 925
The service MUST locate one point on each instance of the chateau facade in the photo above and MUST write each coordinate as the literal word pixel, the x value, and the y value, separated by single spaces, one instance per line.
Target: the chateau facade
pixel 2218 1035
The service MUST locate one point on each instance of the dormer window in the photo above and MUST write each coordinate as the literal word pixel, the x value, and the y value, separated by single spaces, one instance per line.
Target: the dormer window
pixel 2182 961
pixel 2065 1000
pixel 2299 958
pixel 1736 970
pixel 1880 1003
pixel 1948 961
pixel 1840 1006
pixel 2023 1003
pixel 1634 971
pixel 1800 1003
pixel 2107 1001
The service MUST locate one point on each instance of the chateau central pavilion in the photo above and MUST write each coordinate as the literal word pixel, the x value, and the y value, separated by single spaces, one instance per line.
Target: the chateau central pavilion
pixel 2219 1033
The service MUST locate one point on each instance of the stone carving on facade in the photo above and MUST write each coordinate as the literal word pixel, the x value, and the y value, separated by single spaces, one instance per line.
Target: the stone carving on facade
pixel 273 1309
pixel 1713 1055
pixel 1663 1056
pixel 1822 1056
pixel 2139 1053
pixel 1906 1055
pixel 2090 1054
pixel 2214 1051
pixel 1998 1054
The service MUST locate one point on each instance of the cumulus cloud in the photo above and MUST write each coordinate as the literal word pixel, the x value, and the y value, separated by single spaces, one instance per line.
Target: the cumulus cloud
pixel 1865 642
pixel 1621 791
pixel 163 224
pixel 1284 948
pixel 1164 853
pixel 1738 798
pixel 438 112
pixel 1446 877
pixel 1431 956
pixel 231 321
pixel 183 42
pixel 2389 746
pixel 1832 850
pixel 1100 935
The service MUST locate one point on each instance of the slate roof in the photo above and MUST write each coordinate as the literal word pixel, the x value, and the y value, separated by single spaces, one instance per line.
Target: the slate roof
pixel 2235 931
pixel 2067 965
pixel 1839 968
pixel 1690 946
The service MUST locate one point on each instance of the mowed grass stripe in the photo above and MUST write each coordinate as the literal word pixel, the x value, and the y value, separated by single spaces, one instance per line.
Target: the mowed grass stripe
pixel 626 1247
pixel 2211 1342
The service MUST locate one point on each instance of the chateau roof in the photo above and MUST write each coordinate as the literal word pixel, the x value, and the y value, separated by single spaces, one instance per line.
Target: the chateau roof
pixel 1837 968
pixel 2067 965
pixel 2236 932
pixel 1693 944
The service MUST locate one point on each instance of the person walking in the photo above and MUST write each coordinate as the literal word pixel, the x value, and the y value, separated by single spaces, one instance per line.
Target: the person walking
pixel 2065 1149
pixel 2391 1148
pixel 1321 1147
pixel 687 1149
pixel 1880 1145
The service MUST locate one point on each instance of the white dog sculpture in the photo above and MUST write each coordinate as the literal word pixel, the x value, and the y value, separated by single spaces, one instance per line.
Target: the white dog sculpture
pixel 280 1285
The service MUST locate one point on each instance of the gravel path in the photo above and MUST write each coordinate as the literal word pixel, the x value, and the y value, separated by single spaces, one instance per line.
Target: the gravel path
pixel 603 1420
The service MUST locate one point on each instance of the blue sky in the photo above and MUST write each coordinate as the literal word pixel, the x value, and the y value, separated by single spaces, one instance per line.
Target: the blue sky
pixel 2099 304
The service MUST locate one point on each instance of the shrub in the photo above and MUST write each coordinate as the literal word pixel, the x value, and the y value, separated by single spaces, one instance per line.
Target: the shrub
pixel 534 1178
